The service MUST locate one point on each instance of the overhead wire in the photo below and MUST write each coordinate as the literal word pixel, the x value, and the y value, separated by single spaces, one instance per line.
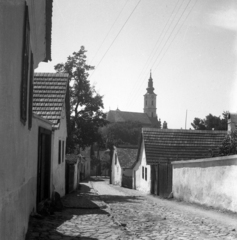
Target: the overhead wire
pixel 167 39
pixel 109 32
pixel 176 33
pixel 116 37
pixel 172 32
pixel 161 36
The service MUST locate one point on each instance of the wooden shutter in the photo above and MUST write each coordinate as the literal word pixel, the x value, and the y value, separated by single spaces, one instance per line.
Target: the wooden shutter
pixel 63 151
pixel 25 66
pixel 31 91
pixel 59 151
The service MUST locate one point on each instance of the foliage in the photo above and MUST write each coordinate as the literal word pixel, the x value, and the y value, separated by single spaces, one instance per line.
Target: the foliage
pixel 94 161
pixel 210 122
pixel 86 115
pixel 229 144
pixel 125 133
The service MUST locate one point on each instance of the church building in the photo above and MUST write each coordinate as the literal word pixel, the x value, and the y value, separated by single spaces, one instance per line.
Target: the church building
pixel 149 116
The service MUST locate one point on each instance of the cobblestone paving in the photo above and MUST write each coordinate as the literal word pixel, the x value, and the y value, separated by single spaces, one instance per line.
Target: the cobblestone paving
pixel 127 217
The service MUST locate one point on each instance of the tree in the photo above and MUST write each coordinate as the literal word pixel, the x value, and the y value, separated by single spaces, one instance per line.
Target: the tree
pixel 122 133
pixel 229 144
pixel 211 122
pixel 86 115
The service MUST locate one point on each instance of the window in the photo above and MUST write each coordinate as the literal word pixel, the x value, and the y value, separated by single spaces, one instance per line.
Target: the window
pixel 25 67
pixel 143 172
pixel 63 153
pixel 31 91
pixel 59 151
pixel 115 156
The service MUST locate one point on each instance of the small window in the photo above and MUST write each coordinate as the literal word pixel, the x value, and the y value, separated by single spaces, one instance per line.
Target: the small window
pixel 31 91
pixel 25 67
pixel 143 172
pixel 59 151
pixel 63 153
pixel 115 158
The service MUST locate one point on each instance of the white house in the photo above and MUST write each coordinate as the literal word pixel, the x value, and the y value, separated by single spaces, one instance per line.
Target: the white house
pixel 51 102
pixel 122 165
pixel 25 41
pixel 158 147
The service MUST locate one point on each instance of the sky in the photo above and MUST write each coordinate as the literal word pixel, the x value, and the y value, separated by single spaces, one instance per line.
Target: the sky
pixel 190 46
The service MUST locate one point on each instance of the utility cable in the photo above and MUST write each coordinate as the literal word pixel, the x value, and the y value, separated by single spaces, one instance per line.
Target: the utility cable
pixel 115 38
pixel 170 21
pixel 109 31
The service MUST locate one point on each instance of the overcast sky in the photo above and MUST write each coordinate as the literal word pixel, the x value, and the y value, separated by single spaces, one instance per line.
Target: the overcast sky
pixel 190 45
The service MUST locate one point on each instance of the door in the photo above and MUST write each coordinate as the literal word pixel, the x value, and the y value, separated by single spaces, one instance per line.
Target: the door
pixel 44 165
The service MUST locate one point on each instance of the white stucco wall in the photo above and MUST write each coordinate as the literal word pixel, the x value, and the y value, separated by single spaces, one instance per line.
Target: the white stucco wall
pixel 140 183
pixel 59 169
pixel 116 171
pixel 210 181
pixel 18 148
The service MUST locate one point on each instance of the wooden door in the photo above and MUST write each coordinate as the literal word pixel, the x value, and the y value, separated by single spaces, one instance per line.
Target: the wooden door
pixel 44 165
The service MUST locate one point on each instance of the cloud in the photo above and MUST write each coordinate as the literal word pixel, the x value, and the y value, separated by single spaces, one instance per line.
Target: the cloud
pixel 224 18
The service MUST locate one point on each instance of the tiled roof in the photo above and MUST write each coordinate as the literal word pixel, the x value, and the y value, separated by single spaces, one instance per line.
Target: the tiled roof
pixel 162 145
pixel 49 95
pixel 127 157
pixel 121 116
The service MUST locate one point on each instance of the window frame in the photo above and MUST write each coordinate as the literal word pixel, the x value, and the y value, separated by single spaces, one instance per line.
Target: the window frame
pixel 25 67
pixel 59 152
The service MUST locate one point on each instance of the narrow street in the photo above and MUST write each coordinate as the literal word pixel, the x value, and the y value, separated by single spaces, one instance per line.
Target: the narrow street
pixel 102 211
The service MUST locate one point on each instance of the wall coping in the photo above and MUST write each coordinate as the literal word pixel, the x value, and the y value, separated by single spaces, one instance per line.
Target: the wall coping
pixel 213 159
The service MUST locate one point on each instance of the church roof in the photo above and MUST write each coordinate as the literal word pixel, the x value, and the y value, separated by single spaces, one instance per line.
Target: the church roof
pixel 121 116
pixel 162 145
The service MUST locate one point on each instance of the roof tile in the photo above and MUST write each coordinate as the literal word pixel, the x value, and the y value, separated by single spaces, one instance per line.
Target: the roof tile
pixel 49 95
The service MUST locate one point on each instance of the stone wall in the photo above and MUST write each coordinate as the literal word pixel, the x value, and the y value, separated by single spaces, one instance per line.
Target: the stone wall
pixel 210 181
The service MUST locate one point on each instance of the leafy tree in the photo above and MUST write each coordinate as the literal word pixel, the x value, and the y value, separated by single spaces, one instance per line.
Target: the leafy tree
pixel 86 115
pixel 125 133
pixel 210 122
pixel 229 144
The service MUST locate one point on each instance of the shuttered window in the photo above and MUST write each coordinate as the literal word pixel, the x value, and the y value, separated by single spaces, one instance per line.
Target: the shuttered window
pixel 31 91
pixel 59 151
pixel 25 67
pixel 63 153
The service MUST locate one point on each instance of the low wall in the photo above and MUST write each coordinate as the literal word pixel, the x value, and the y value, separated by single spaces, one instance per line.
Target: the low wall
pixel 210 181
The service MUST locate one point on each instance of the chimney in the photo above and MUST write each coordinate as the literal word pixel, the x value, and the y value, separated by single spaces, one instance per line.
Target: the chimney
pixel 232 121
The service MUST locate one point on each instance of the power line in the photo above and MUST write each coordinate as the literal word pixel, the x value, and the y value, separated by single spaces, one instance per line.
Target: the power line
pixel 152 52
pixel 177 33
pixel 109 32
pixel 169 35
pixel 116 37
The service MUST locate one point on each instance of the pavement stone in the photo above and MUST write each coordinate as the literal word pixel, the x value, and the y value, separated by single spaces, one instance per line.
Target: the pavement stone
pixel 89 215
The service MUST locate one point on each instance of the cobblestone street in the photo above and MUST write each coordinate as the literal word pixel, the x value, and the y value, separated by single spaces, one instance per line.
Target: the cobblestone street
pixel 102 211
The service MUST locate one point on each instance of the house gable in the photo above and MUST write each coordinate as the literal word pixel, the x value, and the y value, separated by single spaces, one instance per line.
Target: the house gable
pixel 49 96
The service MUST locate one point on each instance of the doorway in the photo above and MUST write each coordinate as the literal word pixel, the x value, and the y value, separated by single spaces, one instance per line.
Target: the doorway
pixel 44 165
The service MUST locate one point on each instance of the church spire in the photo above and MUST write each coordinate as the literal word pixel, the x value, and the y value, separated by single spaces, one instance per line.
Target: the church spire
pixel 150 88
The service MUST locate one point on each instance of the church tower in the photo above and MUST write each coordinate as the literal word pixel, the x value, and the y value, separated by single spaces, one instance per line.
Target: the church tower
pixel 150 100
